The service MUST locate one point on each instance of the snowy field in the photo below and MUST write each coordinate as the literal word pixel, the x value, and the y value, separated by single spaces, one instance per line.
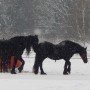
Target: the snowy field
pixel 79 79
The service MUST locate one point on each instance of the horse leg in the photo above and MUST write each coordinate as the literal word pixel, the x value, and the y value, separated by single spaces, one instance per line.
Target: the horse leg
pixel 1 61
pixel 9 62
pixel 5 67
pixel 69 67
pixel 41 68
pixel 21 67
pixel 14 65
pixel 4 64
pixel 37 64
pixel 1 64
pixel 65 69
pixel 36 67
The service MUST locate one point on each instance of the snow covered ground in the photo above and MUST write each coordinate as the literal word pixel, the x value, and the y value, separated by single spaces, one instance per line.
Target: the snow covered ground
pixel 79 79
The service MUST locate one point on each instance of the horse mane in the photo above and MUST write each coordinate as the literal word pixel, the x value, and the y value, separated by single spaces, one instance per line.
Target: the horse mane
pixel 21 40
pixel 73 45
pixel 70 42
pixel 17 38
pixel 32 41
pixel 28 47
pixel 26 41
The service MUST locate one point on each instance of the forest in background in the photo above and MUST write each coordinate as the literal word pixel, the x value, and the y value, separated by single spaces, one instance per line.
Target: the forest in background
pixel 52 20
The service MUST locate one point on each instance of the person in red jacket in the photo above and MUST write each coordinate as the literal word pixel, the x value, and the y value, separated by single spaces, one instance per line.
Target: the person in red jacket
pixel 7 67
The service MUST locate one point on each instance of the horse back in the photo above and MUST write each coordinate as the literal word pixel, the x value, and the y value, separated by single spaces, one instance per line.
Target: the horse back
pixel 58 51
pixel 50 50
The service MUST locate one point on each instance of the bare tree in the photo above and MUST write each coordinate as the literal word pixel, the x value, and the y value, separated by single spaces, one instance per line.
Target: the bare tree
pixel 65 18
pixel 51 19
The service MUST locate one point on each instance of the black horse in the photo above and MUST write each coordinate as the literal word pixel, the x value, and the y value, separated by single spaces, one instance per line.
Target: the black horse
pixel 64 50
pixel 15 47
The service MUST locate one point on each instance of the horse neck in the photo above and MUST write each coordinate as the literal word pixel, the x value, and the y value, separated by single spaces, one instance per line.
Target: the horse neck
pixel 19 40
pixel 23 43
pixel 78 49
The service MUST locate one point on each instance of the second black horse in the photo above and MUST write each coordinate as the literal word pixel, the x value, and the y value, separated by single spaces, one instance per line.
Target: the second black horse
pixel 64 50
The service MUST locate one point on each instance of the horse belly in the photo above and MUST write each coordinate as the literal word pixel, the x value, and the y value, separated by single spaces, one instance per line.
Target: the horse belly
pixel 55 57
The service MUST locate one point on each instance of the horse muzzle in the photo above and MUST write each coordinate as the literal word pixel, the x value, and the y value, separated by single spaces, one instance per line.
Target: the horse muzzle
pixel 85 61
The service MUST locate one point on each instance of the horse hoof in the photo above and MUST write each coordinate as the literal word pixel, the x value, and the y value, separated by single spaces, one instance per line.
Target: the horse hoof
pixel 35 72
pixel 19 71
pixel 43 74
pixel 13 72
pixel 65 73
pixel 69 72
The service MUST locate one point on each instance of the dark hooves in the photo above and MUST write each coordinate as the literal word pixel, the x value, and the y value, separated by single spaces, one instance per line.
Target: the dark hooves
pixel 66 73
pixel 43 74
pixel 35 72
pixel 13 72
pixel 20 70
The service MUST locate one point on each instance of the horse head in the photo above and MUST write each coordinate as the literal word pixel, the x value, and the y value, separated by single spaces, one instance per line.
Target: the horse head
pixel 83 54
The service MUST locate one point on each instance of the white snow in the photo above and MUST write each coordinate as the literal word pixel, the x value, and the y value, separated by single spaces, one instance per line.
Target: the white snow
pixel 79 79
